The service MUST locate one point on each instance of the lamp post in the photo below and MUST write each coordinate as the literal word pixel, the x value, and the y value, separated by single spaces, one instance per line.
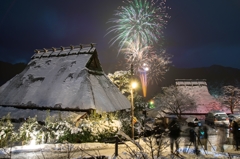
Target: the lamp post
pixel 133 86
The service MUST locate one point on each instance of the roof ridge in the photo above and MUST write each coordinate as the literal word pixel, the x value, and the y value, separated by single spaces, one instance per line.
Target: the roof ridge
pixel 63 48
pixel 65 51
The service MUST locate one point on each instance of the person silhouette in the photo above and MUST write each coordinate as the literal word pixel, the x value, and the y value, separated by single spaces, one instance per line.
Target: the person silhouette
pixel 174 134
pixel 203 135
pixel 221 137
pixel 236 135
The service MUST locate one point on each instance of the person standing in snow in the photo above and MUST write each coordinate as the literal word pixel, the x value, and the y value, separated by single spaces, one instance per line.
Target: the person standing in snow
pixel 193 140
pixel 221 137
pixel 203 136
pixel 236 134
pixel 174 134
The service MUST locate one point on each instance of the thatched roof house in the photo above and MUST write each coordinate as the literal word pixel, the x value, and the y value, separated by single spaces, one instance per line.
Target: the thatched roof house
pixel 69 78
pixel 198 90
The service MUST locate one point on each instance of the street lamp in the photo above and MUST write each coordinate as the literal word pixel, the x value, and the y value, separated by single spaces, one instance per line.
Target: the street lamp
pixel 133 86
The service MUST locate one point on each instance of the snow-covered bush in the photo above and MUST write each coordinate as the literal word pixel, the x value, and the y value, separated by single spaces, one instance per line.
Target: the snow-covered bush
pixel 29 131
pixel 7 134
pixel 91 130
pixel 58 128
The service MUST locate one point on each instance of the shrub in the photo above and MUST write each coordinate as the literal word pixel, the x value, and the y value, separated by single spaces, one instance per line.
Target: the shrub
pixel 7 134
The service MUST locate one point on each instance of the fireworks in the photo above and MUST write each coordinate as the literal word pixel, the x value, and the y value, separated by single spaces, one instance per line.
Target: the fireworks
pixel 158 66
pixel 139 27
pixel 140 19
pixel 135 51
pixel 157 63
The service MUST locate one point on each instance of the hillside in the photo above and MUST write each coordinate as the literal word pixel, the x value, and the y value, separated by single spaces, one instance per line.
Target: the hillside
pixel 8 70
pixel 215 75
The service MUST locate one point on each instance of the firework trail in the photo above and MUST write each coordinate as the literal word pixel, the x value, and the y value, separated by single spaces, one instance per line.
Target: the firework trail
pixel 143 77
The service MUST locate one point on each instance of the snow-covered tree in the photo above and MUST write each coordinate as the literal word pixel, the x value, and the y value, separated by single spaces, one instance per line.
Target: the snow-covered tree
pixel 173 100
pixel 230 97
pixel 122 80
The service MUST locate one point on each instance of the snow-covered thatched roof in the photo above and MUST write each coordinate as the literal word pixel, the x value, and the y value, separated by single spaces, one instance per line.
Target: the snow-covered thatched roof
pixel 197 89
pixel 68 78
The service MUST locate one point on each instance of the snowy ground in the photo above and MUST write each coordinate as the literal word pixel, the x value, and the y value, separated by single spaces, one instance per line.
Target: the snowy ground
pixel 58 151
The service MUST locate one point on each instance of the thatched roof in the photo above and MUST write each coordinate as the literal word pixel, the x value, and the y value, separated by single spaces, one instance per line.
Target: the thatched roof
pixel 68 78
pixel 198 90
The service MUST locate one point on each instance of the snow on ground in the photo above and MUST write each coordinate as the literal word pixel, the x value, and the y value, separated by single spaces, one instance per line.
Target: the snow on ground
pixel 57 151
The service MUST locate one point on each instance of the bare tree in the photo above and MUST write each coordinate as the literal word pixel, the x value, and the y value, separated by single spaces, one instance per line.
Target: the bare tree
pixel 150 147
pixel 174 101
pixel 230 97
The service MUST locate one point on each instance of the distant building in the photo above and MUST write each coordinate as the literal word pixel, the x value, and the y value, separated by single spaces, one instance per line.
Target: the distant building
pixel 198 90
pixel 62 79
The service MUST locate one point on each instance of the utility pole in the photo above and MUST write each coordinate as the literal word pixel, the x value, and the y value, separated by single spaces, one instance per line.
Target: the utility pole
pixel 132 103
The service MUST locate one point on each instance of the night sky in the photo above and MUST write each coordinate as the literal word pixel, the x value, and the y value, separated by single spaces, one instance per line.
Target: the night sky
pixel 200 33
